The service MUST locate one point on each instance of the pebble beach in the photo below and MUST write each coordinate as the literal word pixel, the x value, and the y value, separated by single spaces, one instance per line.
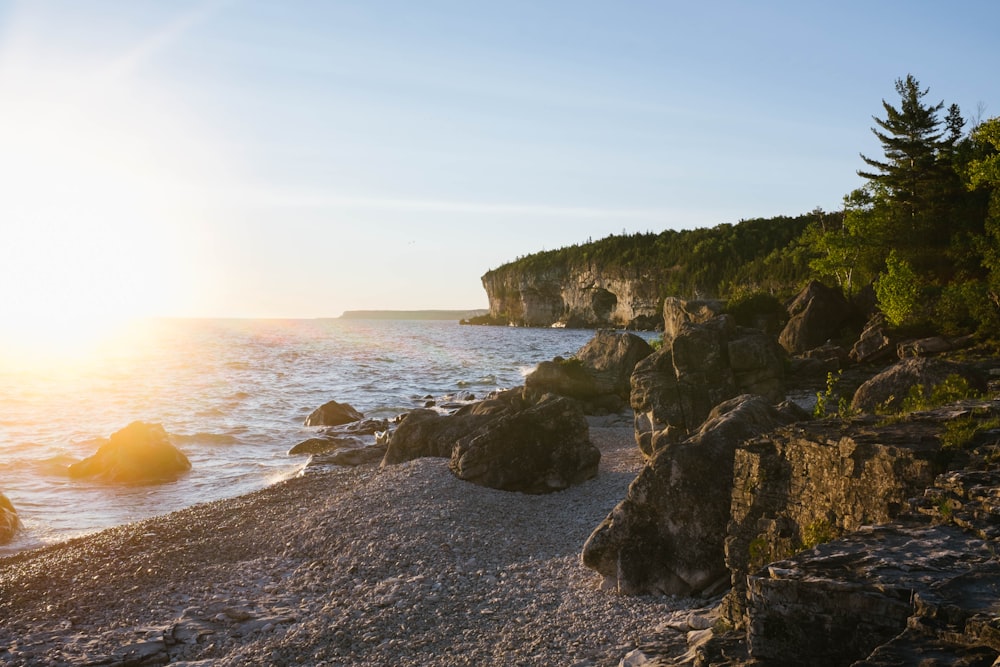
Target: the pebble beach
pixel 402 565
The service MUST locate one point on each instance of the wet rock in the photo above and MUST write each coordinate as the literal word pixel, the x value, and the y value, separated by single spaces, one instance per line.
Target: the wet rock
pixel 333 413
pixel 350 457
pixel 328 443
pixel 8 520
pixel 667 535
pixel 137 454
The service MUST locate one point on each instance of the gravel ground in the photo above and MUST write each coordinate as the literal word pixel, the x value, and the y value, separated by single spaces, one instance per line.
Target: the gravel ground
pixel 406 565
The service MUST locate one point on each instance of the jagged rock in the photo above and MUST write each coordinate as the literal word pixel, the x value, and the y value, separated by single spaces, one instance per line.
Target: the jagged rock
pixel 814 481
pixel 333 413
pixel 8 520
pixel 887 390
pixel 675 388
pixel 541 449
pixel 817 314
pixel 667 535
pixel 874 344
pixel 610 357
pixel 137 454
pixel 849 601
pixel 678 312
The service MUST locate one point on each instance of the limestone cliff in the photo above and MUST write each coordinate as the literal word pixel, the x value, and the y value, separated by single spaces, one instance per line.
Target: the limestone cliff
pixel 585 297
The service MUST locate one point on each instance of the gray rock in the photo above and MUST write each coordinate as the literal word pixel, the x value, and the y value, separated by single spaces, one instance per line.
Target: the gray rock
pixel 874 343
pixel 667 535
pixel 541 449
pixel 678 312
pixel 675 389
pixel 137 454
pixel 324 444
pixel 817 314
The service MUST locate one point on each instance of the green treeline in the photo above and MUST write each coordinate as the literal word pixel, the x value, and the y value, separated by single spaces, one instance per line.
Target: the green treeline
pixel 922 234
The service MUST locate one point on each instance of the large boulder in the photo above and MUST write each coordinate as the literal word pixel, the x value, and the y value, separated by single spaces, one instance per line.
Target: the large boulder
pixel 598 375
pixel 541 449
pixel 610 357
pixel 887 390
pixel 424 432
pixel 675 388
pixel 678 312
pixel 333 413
pixel 817 314
pixel 8 520
pixel 668 534
pixel 140 453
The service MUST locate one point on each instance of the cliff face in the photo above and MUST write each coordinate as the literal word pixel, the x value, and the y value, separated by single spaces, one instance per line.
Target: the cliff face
pixel 588 297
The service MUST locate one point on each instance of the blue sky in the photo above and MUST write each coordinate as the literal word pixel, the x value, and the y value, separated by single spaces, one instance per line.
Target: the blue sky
pixel 296 159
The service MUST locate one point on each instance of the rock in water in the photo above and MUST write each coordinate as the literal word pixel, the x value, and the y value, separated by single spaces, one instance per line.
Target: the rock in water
pixel 8 520
pixel 140 453
pixel 333 413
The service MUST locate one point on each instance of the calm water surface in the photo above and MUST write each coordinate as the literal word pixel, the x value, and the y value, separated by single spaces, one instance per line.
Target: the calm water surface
pixel 233 394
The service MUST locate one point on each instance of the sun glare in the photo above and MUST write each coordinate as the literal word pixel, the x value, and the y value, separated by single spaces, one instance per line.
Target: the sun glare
pixel 92 229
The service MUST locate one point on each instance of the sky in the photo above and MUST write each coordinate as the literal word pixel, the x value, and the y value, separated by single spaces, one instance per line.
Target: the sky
pixel 251 158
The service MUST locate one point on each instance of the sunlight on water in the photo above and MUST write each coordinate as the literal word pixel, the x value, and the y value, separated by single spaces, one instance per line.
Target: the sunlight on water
pixel 233 395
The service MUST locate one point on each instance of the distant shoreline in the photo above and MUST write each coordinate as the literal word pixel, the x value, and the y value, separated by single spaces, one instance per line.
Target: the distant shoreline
pixel 412 314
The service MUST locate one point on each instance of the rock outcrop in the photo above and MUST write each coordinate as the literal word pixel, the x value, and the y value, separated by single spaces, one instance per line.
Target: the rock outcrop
pixel 674 389
pixel 874 343
pixel 889 389
pixel 817 314
pixel 814 481
pixel 667 535
pixel 678 312
pixel 140 453
pixel 333 413
pixel 507 442
pixel 8 520
pixel 588 297
pixel 599 375
pixel 541 449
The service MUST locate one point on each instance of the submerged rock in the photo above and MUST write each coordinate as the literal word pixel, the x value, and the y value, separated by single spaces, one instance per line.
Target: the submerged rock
pixel 140 453
pixel 333 413
pixel 8 520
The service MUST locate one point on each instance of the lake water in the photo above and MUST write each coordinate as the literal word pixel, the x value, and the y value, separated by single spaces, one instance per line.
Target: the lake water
pixel 233 394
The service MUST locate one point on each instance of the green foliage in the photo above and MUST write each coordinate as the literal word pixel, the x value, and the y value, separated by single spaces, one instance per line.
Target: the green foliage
pixel 818 532
pixel 656 343
pixel 952 388
pixel 897 290
pixel 960 432
pixel 750 307
pixel 825 398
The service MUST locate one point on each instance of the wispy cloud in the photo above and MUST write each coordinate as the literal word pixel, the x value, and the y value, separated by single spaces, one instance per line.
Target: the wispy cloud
pixel 291 199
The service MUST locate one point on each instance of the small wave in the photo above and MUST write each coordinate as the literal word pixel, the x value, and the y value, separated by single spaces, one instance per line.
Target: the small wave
pixel 485 380
pixel 204 439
